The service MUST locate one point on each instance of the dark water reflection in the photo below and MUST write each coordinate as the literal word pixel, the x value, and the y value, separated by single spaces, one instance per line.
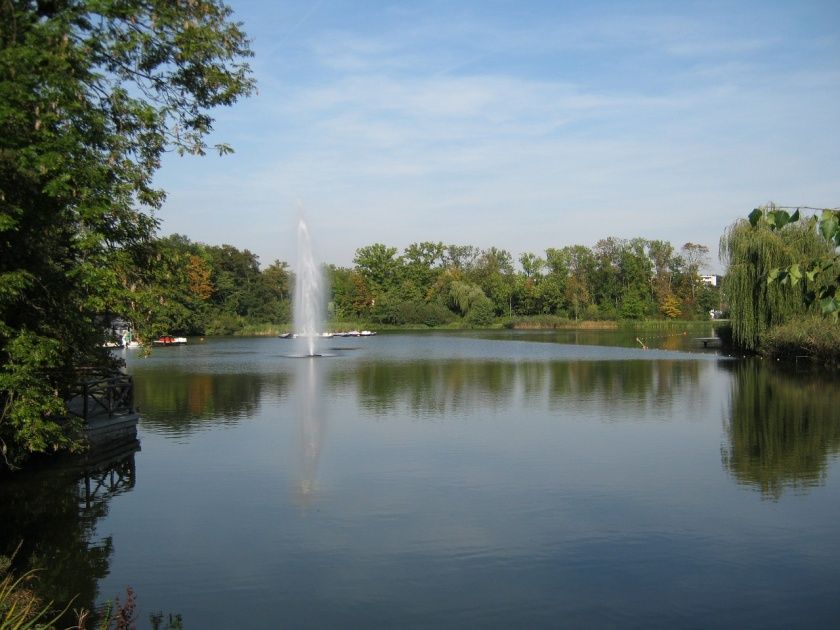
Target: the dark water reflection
pixel 179 401
pixel 450 386
pixel 49 521
pixel 783 427
pixel 459 481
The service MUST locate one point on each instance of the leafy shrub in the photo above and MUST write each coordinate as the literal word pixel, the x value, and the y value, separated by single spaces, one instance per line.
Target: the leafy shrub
pixel 632 306
pixel 481 313
pixel 814 336
pixel 225 324
pixel 436 315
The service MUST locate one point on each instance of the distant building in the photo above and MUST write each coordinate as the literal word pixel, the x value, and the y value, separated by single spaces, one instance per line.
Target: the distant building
pixel 712 281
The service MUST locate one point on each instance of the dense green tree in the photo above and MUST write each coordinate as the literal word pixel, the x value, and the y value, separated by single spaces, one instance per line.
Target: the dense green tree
pixel 821 269
pixel 276 293
pixel 422 262
pixel 236 280
pixel 350 296
pixel 579 289
pixel 552 287
pixel 633 306
pixel 636 268
pixel 379 266
pixel 493 271
pixel 532 265
pixel 91 94
pixel 471 301
pixel 168 285
pixel 661 255
pixel 607 274
pixel 552 294
pixel 751 251
pixel 461 257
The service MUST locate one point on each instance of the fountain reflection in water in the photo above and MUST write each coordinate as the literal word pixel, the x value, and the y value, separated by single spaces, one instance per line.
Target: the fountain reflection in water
pixel 310 292
pixel 312 428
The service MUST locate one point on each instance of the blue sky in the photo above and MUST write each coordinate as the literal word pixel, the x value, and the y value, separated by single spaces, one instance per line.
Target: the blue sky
pixel 521 125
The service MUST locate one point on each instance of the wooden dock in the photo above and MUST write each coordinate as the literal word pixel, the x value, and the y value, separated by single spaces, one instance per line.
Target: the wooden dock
pixel 106 404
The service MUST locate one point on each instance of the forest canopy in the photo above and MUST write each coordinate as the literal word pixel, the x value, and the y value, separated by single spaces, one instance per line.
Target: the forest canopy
pixel 211 289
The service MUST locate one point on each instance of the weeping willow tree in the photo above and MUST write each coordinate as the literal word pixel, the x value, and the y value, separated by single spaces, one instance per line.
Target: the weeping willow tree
pixel 753 251
pixel 472 302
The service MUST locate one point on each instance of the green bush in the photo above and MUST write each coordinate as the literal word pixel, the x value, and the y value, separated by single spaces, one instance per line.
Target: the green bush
pixel 436 315
pixel 225 324
pixel 813 336
pixel 481 313
pixel 632 306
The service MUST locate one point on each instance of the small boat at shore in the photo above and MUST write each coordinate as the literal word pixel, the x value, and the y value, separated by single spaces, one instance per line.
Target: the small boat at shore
pixel 328 335
pixel 116 345
pixel 166 340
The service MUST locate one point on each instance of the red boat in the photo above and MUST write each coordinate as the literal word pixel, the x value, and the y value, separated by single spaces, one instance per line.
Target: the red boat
pixel 166 340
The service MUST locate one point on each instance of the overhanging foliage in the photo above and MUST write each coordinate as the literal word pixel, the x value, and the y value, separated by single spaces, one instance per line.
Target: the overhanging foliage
pixel 92 92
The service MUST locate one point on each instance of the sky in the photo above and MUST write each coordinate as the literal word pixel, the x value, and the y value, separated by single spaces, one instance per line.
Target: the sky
pixel 517 124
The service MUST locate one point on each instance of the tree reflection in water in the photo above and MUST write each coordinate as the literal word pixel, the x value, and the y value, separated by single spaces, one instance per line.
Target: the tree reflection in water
pixel 53 513
pixel 440 387
pixel 781 428
pixel 180 402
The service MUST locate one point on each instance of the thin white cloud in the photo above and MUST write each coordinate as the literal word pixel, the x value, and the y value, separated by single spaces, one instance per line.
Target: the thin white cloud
pixel 524 134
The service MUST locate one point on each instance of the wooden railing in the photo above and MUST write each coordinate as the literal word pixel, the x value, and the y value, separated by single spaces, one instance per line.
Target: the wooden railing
pixel 102 396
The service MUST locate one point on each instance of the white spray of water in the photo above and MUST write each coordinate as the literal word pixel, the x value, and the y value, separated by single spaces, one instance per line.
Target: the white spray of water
pixel 310 291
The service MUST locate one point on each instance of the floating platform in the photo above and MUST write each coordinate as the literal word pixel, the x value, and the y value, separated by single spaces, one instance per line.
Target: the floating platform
pixel 329 335
pixel 709 342
pixel 110 430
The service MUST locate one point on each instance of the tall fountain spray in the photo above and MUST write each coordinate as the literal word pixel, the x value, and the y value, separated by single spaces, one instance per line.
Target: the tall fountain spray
pixel 310 292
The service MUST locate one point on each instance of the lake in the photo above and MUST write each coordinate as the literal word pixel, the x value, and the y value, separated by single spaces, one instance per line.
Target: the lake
pixel 454 480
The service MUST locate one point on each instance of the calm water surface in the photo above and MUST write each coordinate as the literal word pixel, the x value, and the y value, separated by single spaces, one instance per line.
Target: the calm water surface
pixel 439 480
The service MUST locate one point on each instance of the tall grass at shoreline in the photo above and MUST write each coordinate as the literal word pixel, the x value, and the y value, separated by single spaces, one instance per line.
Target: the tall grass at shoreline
pixel 538 322
pixel 814 337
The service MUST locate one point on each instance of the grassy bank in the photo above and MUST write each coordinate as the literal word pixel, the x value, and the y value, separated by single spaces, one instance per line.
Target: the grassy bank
pixel 814 337
pixel 538 322
pixel 544 322
pixel 651 325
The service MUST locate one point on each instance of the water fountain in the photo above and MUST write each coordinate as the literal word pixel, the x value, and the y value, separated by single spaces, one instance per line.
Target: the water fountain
pixel 309 302
pixel 310 293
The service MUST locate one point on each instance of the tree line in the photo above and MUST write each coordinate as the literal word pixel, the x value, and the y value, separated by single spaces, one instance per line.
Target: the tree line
pixel 198 289
pixel 434 283
pixel 194 288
